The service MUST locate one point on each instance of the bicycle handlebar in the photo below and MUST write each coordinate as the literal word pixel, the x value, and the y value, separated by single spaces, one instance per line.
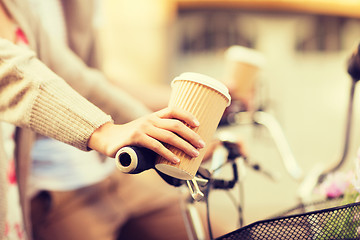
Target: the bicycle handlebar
pixel 134 160
pixel 353 65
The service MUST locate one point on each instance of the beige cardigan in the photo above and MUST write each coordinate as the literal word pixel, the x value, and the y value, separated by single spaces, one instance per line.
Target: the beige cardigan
pixel 37 99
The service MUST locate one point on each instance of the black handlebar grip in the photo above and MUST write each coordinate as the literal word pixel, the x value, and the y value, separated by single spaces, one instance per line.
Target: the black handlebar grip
pixel 354 64
pixel 134 159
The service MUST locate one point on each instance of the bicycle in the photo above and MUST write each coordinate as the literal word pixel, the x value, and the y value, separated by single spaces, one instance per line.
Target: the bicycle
pixel 336 222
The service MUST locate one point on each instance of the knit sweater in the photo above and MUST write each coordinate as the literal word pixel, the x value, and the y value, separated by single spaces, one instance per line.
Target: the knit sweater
pixel 31 96
pixel 34 97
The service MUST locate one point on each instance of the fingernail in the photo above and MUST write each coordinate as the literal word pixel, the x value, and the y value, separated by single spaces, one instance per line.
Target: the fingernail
pixel 196 122
pixel 201 144
pixel 195 153
pixel 176 159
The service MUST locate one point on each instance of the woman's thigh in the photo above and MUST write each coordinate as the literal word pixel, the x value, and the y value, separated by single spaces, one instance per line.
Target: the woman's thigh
pixel 87 213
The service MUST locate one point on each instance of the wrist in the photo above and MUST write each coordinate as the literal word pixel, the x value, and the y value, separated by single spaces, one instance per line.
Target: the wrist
pixel 97 139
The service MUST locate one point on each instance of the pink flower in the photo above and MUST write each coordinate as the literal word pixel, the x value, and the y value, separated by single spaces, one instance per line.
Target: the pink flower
pixel 11 174
pixel 20 37
pixel 356 179
pixel 335 184
pixel 335 190
pixel 7 229
pixel 19 231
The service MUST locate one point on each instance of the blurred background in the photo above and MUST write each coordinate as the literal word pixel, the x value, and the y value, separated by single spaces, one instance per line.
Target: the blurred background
pixel 304 83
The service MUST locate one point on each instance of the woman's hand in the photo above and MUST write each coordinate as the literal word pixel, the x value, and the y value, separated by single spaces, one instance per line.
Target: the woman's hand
pixel 151 131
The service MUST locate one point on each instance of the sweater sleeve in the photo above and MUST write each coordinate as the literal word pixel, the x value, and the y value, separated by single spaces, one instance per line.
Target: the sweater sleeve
pixel 32 96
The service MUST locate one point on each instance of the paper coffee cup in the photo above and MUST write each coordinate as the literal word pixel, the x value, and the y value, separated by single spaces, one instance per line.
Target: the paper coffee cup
pixel 242 66
pixel 204 97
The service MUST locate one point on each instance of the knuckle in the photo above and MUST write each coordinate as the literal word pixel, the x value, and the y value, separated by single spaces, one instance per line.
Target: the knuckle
pixel 177 125
pixel 150 121
pixel 171 109
pixel 157 146
pixel 143 125
pixel 170 138
pixel 136 135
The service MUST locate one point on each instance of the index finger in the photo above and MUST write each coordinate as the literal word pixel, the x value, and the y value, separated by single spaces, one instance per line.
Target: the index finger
pixel 180 114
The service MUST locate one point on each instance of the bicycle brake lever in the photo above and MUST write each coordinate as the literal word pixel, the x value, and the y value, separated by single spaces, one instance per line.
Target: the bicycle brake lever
pixel 204 173
pixel 195 191
pixel 200 180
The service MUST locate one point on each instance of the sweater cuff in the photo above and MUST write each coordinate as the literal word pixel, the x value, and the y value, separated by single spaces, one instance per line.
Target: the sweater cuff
pixel 61 113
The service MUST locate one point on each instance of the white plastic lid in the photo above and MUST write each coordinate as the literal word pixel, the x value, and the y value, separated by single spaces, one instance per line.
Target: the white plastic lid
pixel 246 55
pixel 204 80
